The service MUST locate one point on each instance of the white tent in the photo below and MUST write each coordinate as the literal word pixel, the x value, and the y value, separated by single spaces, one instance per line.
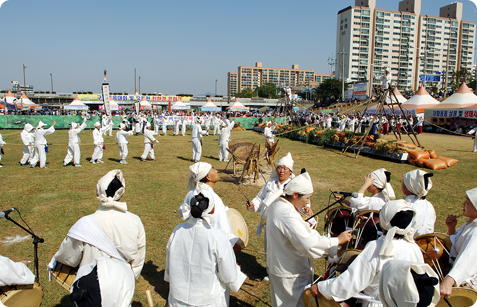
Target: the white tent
pixel 209 106
pixel 113 105
pixel 25 103
pixel 76 104
pixel 180 106
pixel 237 106
pixel 399 96
pixel 144 104
pixel 463 97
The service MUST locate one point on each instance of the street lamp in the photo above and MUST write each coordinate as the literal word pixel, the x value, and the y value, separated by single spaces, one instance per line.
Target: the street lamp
pixel 51 75
pixel 140 85
pixel 24 79
pixel 216 87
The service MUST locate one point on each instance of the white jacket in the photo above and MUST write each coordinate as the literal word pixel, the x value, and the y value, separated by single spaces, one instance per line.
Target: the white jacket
pixel 197 131
pixel 121 136
pixel 149 137
pixel 28 138
pixel 98 134
pixel 40 135
pixel 73 137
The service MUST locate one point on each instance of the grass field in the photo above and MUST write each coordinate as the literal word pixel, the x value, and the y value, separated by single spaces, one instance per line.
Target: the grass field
pixel 52 200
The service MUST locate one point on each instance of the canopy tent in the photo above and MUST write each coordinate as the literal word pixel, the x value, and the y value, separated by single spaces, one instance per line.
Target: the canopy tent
pixel 400 98
pixel 25 103
pixel 463 97
pixel 420 101
pixel 209 106
pixel 144 104
pixel 113 105
pixel 180 106
pixel 9 97
pixel 76 104
pixel 237 106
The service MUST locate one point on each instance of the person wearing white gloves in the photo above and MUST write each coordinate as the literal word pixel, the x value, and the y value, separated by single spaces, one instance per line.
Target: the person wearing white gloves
pixel 73 144
pixel 40 144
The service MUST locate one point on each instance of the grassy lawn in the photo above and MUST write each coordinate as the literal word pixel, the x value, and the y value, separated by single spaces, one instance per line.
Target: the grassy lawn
pixel 52 200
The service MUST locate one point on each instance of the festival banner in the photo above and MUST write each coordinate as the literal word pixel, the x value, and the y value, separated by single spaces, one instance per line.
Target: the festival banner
pixel 130 99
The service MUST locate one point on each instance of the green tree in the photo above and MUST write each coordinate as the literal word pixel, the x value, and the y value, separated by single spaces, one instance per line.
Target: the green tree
pixel 267 90
pixel 328 89
pixel 246 93
pixel 463 75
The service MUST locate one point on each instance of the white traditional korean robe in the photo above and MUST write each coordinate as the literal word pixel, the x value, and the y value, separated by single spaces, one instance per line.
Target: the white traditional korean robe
pixel 425 217
pixel 197 134
pixel 375 202
pixel 224 139
pixel 121 139
pixel 176 130
pixel 149 141
pixel 40 143
pixel 474 131
pixel 267 134
pixel 464 270
pixel 184 127
pixel 124 229
pixel 73 145
pixel 98 142
pixel 200 265
pixel 291 247
pixel 365 271
pixel 28 140
pixel 14 273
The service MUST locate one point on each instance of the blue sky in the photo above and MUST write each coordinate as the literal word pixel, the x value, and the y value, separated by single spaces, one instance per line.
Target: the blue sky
pixel 178 46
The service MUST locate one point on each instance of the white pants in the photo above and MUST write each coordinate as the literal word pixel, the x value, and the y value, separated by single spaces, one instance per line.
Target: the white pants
pixel 164 129
pixel 216 128
pixel 28 152
pixel 156 129
pixel 138 128
pixel 475 144
pixel 98 152
pixel 148 150
pixel 40 155
pixel 196 149
pixel 123 151
pixel 288 292
pixel 184 128
pixel 176 131
pixel 223 153
pixel 73 151
pixel 110 130
pixel 221 301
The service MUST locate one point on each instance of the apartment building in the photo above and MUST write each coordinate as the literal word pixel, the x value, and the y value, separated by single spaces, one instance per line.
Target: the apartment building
pixel 232 83
pixel 255 76
pixel 417 48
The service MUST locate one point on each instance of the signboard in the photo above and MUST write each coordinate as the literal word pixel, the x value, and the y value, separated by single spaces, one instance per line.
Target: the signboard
pixel 359 90
pixel 430 78
pixel 131 99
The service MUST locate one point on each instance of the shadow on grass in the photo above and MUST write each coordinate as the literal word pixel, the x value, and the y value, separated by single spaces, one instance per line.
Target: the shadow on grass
pixel 114 160
pixel 156 279
pixel 250 266
pixel 136 304
pixel 65 302
pixel 185 159
pixel 228 178
pixel 236 302
pixel 212 158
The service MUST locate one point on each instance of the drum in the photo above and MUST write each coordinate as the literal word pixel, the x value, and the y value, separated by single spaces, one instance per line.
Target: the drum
pixel 368 227
pixel 238 226
pixel 22 296
pixel 436 248
pixel 64 275
pixel 346 257
pixel 313 301
pixel 460 297
pixel 337 219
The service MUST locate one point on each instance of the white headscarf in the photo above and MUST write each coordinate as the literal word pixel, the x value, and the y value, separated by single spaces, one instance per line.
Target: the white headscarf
pixel 472 194
pixel 385 216
pixel 122 126
pixel 381 182
pixel 148 124
pixel 197 171
pixel 301 184
pixel 397 287
pixel 28 127
pixel 415 183
pixel 97 124
pixel 102 186
pixel 40 124
pixel 285 161
pixel 186 208
pixel 74 125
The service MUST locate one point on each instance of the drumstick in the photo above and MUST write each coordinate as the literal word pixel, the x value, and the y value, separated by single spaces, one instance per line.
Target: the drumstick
pixel 149 298
pixel 447 301
pixel 244 194
pixel 360 217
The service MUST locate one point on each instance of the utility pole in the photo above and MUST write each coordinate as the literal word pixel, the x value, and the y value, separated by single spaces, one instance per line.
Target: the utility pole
pixel 342 73
pixel 135 87
pixel 24 79
pixel 215 87
pixel 51 75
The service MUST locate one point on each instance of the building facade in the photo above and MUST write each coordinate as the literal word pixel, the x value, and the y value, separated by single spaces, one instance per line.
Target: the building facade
pixel 418 49
pixel 17 87
pixel 253 77
pixel 232 83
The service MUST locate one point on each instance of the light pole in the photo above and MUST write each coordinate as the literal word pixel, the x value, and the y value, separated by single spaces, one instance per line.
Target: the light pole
pixel 216 87
pixel 24 79
pixel 140 85
pixel 51 75
pixel 342 74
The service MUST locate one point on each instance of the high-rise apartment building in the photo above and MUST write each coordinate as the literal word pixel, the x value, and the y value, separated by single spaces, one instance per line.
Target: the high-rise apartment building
pixel 232 83
pixel 253 77
pixel 415 47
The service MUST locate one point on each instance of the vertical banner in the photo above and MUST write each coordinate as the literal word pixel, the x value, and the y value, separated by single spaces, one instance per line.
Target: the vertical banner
pixel 105 87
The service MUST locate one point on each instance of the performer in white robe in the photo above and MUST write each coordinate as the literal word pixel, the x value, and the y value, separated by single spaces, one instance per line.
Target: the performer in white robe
pixel 474 132
pixel 184 127
pixel 122 140
pixel 156 124
pixel 200 265
pixel 15 273
pixel 28 140
pixel 224 139
pixel 217 124
pixel 385 78
pixel 164 126
pixel 267 133
pixel 110 238
pixel 204 176
pixel 292 244
pixel 138 124
pixel 40 143
pixel 328 122
pixel 73 144
pixel 415 187
pixel 105 120
pixel 197 134
pixel 98 142
pixel 364 273
pixel 464 245
pixel 376 183
pixel 176 129
pixel 149 141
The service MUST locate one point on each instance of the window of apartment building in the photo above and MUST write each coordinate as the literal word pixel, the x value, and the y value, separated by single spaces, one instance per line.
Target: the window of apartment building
pixel 357 10
pixel 366 12
pixel 357 17
pixel 397 15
